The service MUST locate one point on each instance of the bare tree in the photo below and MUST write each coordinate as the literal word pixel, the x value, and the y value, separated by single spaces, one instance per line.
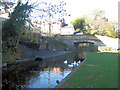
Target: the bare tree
pixel 49 11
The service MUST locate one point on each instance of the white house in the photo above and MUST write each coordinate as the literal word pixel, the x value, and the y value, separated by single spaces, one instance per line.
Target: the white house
pixel 67 30
pixel 56 28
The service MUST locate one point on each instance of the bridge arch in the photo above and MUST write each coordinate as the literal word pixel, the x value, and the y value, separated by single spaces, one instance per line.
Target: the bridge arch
pixel 84 42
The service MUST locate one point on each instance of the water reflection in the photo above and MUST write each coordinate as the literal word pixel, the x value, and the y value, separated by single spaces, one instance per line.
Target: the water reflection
pixel 86 47
pixel 81 55
pixel 41 74
pixel 48 78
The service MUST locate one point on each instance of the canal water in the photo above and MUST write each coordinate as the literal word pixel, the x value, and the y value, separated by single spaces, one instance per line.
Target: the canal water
pixel 42 74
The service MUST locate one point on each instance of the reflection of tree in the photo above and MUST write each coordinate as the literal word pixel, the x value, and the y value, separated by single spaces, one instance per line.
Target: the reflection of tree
pixel 18 75
pixel 13 79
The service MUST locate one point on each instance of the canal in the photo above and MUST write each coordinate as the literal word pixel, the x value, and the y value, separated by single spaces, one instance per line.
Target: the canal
pixel 42 74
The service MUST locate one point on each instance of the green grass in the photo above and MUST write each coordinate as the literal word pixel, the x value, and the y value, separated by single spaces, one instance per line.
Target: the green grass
pixel 100 70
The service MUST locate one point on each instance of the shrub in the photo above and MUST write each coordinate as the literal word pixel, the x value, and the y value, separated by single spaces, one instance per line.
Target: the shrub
pixel 35 41
pixel 86 32
pixel 79 23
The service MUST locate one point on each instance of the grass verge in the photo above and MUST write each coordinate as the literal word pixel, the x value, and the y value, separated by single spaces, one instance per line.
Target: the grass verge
pixel 99 71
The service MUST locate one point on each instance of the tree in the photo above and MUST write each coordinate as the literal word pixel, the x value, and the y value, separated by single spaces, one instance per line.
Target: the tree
pixel 49 11
pixel 99 24
pixel 13 26
pixel 79 23
pixel 6 6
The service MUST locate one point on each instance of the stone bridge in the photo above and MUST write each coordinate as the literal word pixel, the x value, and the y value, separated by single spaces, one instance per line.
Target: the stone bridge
pixel 80 37
pixel 102 42
pixel 71 40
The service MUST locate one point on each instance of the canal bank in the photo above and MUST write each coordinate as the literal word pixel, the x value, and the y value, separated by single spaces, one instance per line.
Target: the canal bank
pixel 43 55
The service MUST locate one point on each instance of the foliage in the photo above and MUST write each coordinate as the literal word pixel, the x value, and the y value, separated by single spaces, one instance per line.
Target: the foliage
pixel 86 32
pixel 9 56
pixel 95 32
pixel 119 35
pixel 13 26
pixel 79 23
pixel 25 34
pixel 6 6
pixel 35 41
pixel 99 24
pixel 105 29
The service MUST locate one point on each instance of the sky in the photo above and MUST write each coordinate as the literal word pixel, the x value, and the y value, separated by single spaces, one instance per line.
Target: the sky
pixel 78 8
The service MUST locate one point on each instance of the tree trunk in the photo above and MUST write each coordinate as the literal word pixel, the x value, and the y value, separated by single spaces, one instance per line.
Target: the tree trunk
pixel 17 42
